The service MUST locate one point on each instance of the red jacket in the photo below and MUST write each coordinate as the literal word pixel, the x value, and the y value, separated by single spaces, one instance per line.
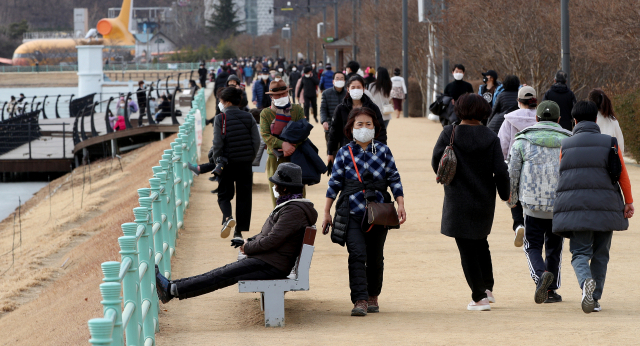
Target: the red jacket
pixel 119 126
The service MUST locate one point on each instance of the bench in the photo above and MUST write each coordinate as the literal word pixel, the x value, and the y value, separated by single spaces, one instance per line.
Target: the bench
pixel 272 291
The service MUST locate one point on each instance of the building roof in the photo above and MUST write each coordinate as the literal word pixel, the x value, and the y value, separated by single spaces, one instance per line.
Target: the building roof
pixel 142 38
pixel 340 44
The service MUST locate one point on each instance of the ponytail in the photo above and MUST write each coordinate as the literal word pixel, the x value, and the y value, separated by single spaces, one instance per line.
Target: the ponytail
pixel 603 103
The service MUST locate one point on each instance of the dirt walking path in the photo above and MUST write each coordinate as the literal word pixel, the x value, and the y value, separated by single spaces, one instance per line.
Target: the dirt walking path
pixel 424 297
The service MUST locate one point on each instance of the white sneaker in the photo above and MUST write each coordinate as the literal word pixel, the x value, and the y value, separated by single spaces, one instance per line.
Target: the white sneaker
pixel 588 304
pixel 596 307
pixel 241 256
pixel 227 226
pixel 519 239
pixel 482 305
pixel 490 296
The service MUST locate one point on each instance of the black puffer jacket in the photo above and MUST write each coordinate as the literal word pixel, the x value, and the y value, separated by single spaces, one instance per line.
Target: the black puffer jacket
pixel 585 198
pixel 309 85
pixel 331 98
pixel 507 102
pixel 241 139
pixel 340 117
pixel 560 94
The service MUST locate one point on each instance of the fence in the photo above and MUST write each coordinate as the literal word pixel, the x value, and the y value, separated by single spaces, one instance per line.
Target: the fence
pixel 111 67
pixel 19 130
pixel 149 240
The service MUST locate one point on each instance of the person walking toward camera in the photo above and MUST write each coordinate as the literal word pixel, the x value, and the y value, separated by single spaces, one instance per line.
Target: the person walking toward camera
pixel 589 205
pixel 362 172
pixel 470 198
pixel 533 171
pixel 236 141
pixel 607 121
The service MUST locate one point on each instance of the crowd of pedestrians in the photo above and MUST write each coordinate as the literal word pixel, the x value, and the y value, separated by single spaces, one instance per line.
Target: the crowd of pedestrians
pixel 557 164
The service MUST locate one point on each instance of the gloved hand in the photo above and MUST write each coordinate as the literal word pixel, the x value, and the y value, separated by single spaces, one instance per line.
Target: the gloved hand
pixel 236 243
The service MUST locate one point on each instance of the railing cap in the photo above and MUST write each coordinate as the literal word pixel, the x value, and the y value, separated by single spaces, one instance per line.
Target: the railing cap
pixel 145 201
pixel 164 164
pixel 129 228
pixel 155 183
pixel 144 192
pixel 110 291
pixel 141 214
pixel 167 157
pixel 101 330
pixel 127 243
pixel 110 270
pixel 169 151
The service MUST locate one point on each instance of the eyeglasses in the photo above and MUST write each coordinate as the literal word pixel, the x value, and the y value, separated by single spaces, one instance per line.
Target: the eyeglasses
pixel 279 89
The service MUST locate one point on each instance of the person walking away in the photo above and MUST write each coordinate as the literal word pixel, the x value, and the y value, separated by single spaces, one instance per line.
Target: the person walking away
pixel 260 89
pixel 491 87
pixel 588 206
pixel 352 69
pixel 515 122
pixel 398 91
pixel 381 91
pixel 506 102
pixel 470 198
pixel 309 84
pixel 326 79
pixel 294 77
pixel 236 141
pixel 202 74
pixel 355 98
pixel 370 77
pixel 533 171
pixel 607 121
pixel 270 255
pixel 363 167
pixel 564 97
pixel 141 95
pixel 248 73
pixel 273 120
pixel 330 100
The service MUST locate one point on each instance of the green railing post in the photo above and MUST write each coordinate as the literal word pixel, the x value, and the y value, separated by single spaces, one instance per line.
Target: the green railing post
pixel 147 202
pixel 130 282
pixel 179 187
pixel 158 224
pixel 184 158
pixel 100 329
pixel 142 218
pixel 111 306
pixel 166 243
pixel 167 167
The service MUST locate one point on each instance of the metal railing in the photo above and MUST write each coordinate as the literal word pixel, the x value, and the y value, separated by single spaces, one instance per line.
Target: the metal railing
pixel 148 241
pixel 112 67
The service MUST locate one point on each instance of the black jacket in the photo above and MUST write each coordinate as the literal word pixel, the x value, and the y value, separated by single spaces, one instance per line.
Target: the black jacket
pixel 309 86
pixel 306 154
pixel 506 103
pixel 470 199
pixel 331 98
pixel 585 198
pixel 339 119
pixel 241 140
pixel 560 94
pixel 293 79
pixel 142 98
pixel 244 102
pixel 458 88
pixel 202 73
pixel 221 81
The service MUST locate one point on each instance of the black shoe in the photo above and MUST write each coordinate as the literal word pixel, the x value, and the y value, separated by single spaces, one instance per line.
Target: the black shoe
pixel 553 297
pixel 542 289
pixel 213 178
pixel 163 287
pixel 596 306
pixel 237 234
pixel 214 191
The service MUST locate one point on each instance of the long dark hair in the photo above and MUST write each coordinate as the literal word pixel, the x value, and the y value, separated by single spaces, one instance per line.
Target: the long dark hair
pixel 603 102
pixel 511 83
pixel 383 83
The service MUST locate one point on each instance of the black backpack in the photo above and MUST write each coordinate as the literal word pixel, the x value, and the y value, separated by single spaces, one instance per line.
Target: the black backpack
pixel 615 166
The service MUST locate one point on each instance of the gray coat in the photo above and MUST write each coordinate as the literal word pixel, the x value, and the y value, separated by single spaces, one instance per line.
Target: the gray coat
pixel 585 199
pixel 470 199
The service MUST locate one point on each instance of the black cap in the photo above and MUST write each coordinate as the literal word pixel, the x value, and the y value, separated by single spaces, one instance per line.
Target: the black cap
pixel 561 77
pixel 328 66
pixel 307 69
pixel 265 70
pixel 491 73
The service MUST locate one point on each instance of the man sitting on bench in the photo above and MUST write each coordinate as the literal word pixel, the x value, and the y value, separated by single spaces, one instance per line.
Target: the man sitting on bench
pixel 270 255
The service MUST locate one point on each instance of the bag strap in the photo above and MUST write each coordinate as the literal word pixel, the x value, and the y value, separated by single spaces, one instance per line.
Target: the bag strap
pixel 360 179
pixel 224 123
pixel 614 143
pixel 453 133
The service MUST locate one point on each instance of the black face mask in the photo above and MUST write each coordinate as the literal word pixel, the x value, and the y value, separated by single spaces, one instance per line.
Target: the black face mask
pixel 485 79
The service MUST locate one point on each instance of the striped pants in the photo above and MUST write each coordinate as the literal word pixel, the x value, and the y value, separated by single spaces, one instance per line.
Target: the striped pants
pixel 537 235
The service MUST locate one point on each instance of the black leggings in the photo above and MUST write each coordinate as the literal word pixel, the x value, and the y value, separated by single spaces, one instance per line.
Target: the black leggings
pixel 476 264
pixel 245 269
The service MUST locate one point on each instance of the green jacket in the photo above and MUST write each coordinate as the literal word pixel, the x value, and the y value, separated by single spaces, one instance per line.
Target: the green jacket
pixel 266 118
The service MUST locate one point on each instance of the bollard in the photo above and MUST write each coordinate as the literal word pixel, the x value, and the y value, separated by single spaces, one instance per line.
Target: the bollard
pixel 111 304
pixel 147 265
pixel 100 329
pixel 130 284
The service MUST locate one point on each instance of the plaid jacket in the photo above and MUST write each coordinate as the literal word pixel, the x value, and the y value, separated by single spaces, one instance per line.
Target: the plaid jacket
pixel 381 164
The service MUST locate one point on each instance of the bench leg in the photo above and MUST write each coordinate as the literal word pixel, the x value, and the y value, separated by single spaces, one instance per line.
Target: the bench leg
pixel 273 302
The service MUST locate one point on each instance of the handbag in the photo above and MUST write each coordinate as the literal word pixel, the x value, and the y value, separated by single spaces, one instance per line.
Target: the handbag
pixel 382 214
pixel 448 163
pixel 387 109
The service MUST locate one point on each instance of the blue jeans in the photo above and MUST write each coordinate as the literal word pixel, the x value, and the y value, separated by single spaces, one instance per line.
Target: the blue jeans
pixel 594 246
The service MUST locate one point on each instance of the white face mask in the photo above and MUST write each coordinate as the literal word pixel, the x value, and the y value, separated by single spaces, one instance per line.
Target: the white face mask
pixel 264 77
pixel 275 193
pixel 308 75
pixel 363 134
pixel 313 65
pixel 278 79
pixel 294 69
pixel 221 106
pixel 356 94
pixel 280 70
pixel 458 76
pixel 339 84
pixel 281 102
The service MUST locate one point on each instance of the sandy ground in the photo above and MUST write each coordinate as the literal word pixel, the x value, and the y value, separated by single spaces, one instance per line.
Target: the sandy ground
pixel 51 291
pixel 425 294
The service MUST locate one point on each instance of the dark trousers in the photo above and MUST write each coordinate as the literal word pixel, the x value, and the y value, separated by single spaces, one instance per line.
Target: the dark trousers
pixel 240 174
pixel 244 269
pixel 517 214
pixel 310 102
pixel 537 233
pixel 476 264
pixel 203 82
pixel 293 95
pixel 366 260
pixel 207 167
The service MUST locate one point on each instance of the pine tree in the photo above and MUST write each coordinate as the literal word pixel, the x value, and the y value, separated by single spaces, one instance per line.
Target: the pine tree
pixel 223 22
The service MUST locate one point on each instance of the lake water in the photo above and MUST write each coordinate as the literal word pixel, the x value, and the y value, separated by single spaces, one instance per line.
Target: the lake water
pixel 10 193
